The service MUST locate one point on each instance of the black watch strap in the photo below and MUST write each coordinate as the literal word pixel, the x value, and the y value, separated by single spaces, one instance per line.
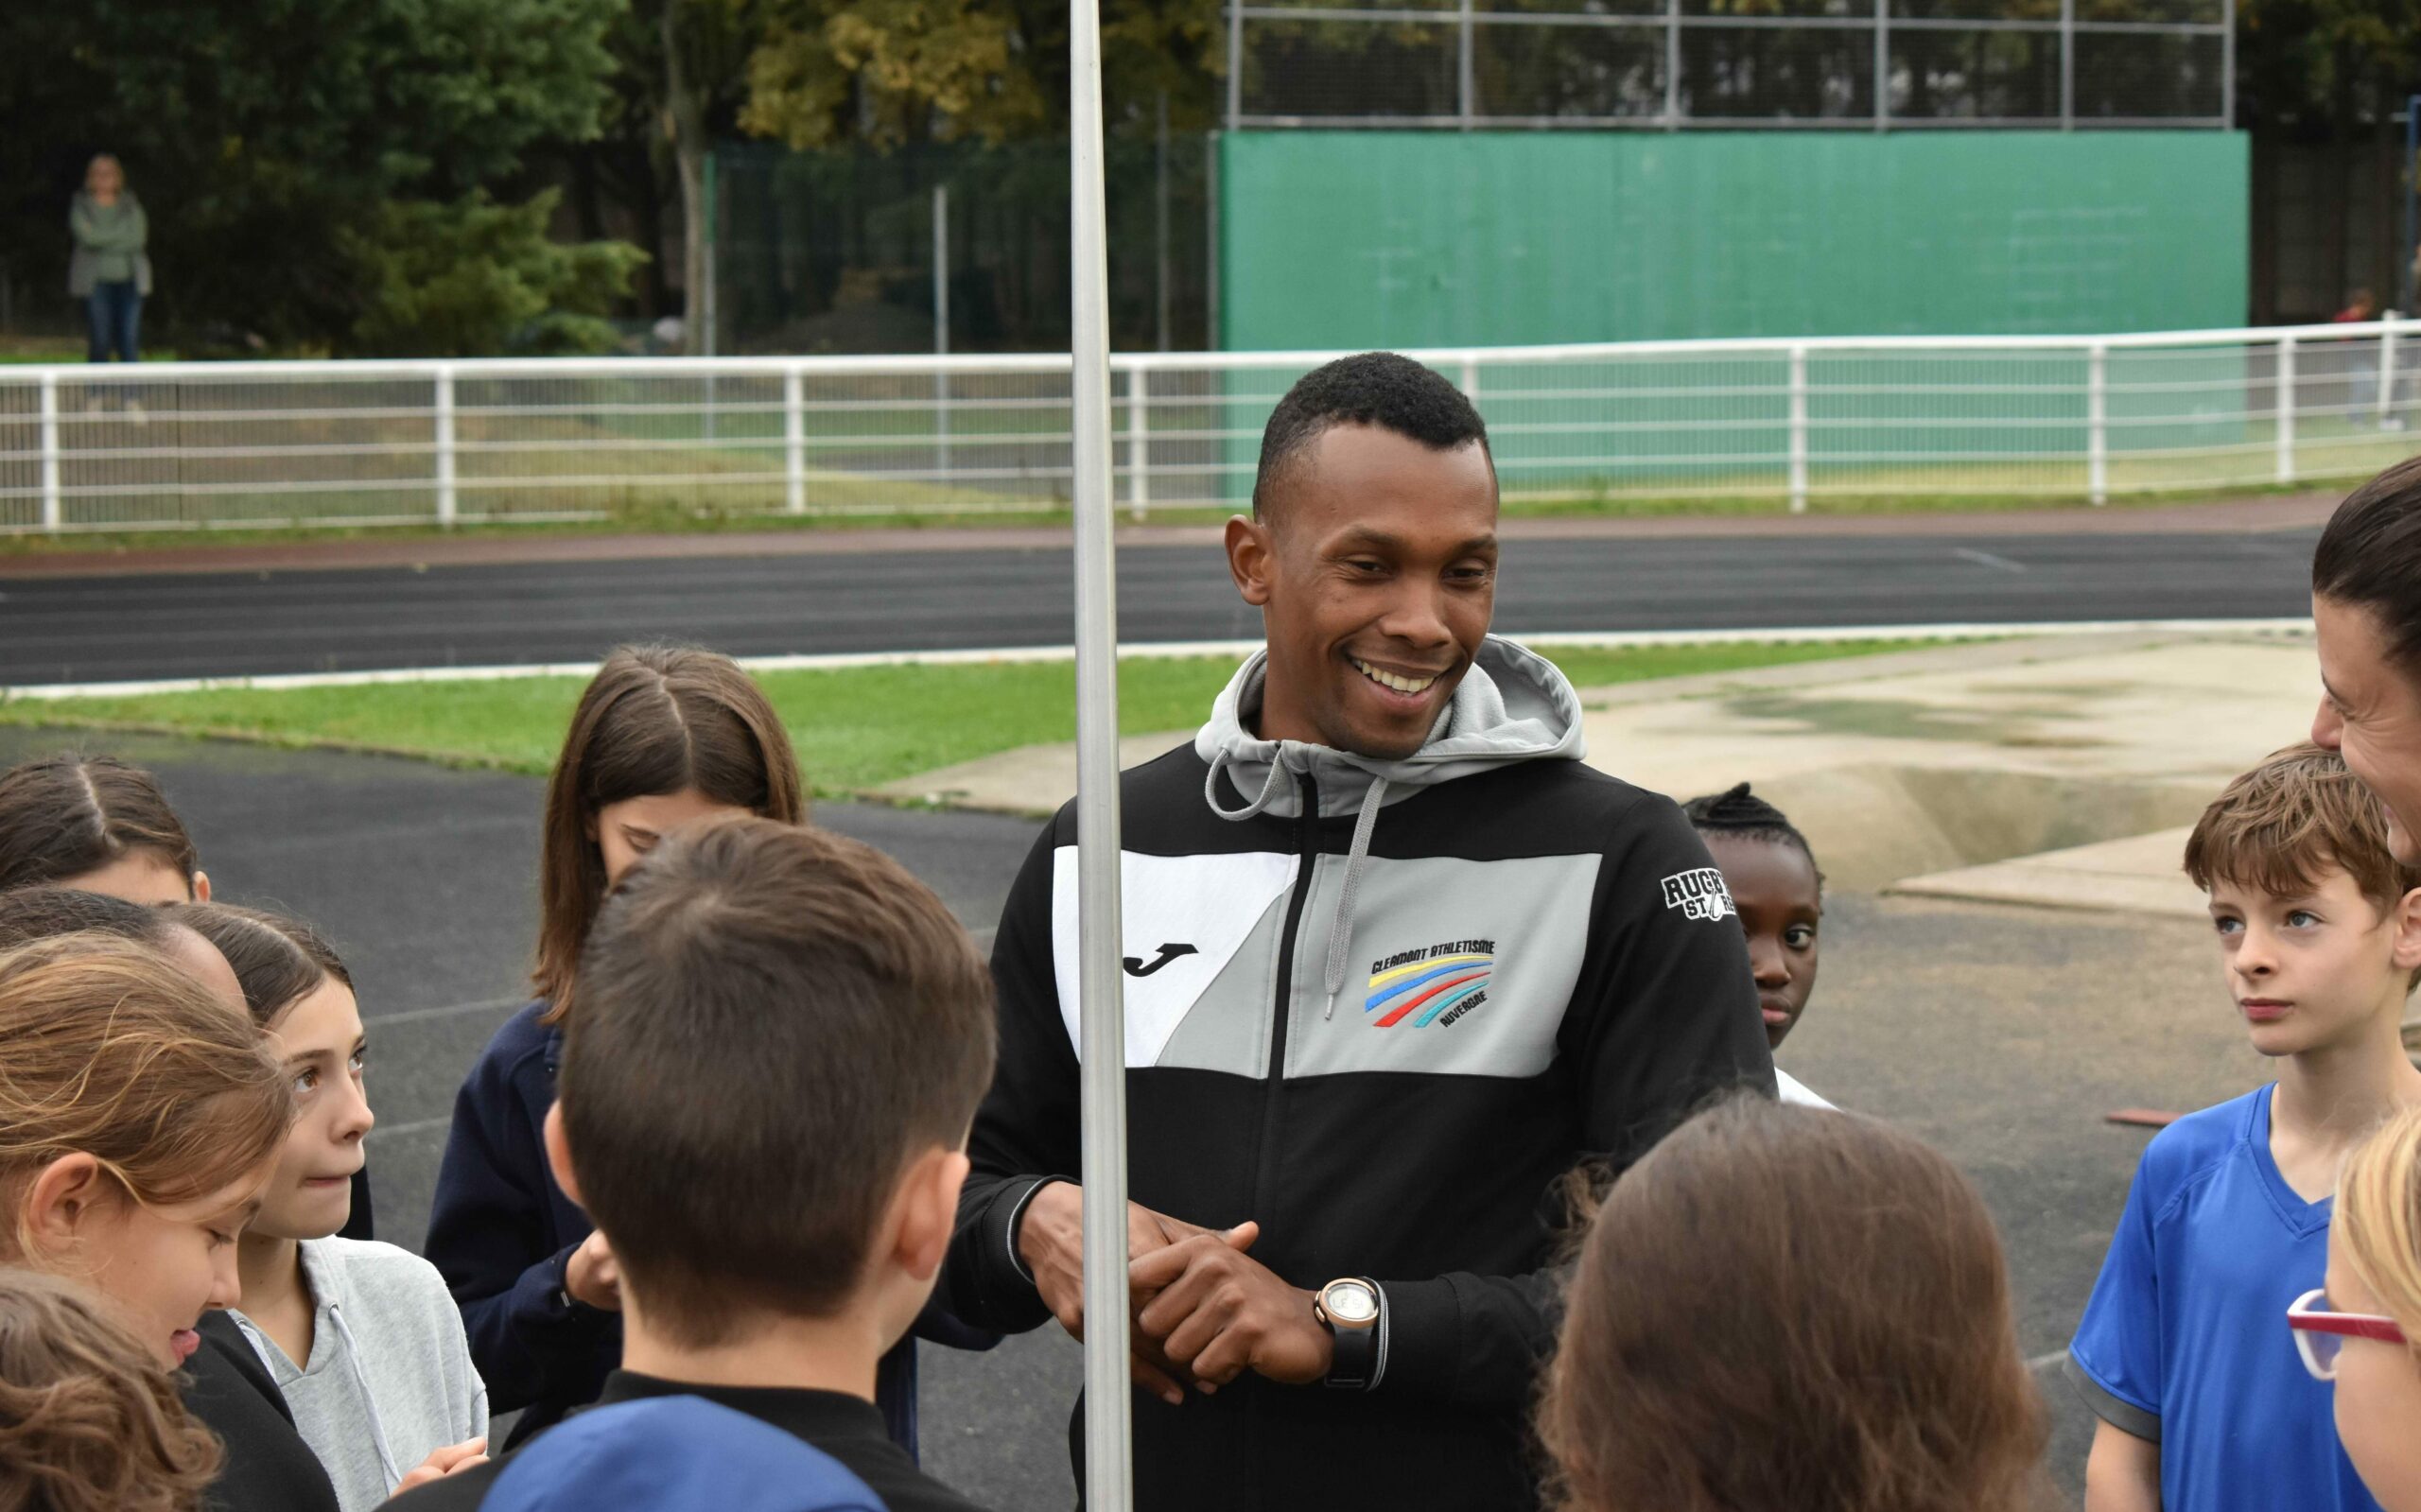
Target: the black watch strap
pixel 1353 1364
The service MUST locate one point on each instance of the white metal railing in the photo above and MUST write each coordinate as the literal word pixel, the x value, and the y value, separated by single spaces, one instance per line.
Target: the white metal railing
pixel 200 445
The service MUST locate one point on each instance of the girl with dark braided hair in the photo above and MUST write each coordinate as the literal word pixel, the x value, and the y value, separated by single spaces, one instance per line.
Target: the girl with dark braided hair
pixel 1779 894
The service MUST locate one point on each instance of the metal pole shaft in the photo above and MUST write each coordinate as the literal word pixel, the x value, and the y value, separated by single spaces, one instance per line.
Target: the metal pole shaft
pixel 2387 368
pixel 2286 424
pixel 1108 1399
pixel 2097 406
pixel 53 516
pixel 794 441
pixel 1882 65
pixel 2067 65
pixel 2410 179
pixel 941 332
pixel 1466 77
pixel 1799 430
pixel 1672 65
pixel 1160 225
pixel 1139 441
pixel 445 500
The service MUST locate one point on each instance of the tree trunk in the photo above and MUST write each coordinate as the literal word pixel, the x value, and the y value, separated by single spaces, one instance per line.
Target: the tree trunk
pixel 685 114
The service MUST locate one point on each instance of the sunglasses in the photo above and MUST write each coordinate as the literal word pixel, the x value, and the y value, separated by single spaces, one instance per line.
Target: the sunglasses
pixel 2321 1333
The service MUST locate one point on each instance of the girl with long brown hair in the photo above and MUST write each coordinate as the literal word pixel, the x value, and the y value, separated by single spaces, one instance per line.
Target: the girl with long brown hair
pixel 360 1337
pixel 664 736
pixel 1784 1307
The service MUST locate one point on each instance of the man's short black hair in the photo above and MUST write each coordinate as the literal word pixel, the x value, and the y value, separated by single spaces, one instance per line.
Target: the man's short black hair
pixel 2370 557
pixel 1369 389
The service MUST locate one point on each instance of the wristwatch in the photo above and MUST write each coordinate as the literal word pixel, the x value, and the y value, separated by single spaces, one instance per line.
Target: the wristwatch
pixel 1350 1308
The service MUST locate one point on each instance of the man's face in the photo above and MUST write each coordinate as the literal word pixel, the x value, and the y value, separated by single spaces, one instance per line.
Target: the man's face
pixel 1376 578
pixel 2371 714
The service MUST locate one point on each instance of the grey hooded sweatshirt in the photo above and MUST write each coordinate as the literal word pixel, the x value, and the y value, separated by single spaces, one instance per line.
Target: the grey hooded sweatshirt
pixel 390 1377
pixel 1382 1007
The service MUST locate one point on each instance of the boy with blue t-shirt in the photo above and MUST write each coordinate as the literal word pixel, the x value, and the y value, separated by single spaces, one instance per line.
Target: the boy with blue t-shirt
pixel 2181 1351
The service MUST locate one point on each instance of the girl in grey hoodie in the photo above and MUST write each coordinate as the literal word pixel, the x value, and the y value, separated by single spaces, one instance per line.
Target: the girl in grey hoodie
pixel 362 1338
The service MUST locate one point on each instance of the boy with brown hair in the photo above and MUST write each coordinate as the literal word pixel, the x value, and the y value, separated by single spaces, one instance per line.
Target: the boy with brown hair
pixel 2202 1401
pixel 764 1102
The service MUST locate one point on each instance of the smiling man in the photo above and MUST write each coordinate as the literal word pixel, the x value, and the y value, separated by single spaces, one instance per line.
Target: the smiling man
pixel 1397 964
pixel 2366 608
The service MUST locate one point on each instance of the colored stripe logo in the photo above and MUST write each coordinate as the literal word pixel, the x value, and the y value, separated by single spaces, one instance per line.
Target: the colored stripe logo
pixel 1425 989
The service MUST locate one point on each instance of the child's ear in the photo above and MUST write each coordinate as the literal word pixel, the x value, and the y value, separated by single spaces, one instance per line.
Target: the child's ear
pixel 925 1211
pixel 2408 931
pixel 559 1155
pixel 201 886
pixel 62 1200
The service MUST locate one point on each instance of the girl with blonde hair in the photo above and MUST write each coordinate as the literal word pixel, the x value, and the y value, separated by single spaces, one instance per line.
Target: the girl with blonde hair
pixel 2362 1329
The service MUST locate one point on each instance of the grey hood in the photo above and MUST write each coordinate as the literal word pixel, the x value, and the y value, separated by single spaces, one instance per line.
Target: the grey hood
pixel 1511 705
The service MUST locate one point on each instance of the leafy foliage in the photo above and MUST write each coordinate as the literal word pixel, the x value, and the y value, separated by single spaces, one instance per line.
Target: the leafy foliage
pixel 474 278
pixel 263 135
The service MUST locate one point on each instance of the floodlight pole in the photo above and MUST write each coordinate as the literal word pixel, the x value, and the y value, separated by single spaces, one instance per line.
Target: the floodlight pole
pixel 1109 1404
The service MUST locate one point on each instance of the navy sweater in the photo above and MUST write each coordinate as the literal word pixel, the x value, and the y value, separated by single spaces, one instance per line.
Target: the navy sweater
pixel 501 1233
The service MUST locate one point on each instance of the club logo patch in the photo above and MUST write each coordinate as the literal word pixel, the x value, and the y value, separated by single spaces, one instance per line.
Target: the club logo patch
pixel 1437 983
pixel 1699 893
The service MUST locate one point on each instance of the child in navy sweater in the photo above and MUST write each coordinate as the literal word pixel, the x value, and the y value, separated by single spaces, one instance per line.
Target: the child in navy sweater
pixel 663 736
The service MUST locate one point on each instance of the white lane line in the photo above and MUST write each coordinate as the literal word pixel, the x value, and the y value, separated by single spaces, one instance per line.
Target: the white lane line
pixel 414 1015
pixel 1988 560
pixel 415 1127
pixel 1588 641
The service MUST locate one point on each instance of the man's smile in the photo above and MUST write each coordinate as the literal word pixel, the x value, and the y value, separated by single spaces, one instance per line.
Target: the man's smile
pixel 1398 681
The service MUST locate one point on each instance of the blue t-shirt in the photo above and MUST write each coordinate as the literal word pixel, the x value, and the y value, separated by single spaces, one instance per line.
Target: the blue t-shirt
pixel 2185 1341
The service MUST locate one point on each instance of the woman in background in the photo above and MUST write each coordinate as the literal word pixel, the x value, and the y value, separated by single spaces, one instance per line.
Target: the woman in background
pixel 109 270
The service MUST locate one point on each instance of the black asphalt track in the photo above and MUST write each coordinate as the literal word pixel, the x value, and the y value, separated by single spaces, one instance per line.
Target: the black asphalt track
pixel 97 628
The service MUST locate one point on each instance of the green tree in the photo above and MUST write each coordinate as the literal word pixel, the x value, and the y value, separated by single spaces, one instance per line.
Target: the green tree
pixel 896 71
pixel 475 278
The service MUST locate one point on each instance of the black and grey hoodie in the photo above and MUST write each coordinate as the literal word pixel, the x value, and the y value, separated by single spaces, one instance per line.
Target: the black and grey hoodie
pixel 1380 1007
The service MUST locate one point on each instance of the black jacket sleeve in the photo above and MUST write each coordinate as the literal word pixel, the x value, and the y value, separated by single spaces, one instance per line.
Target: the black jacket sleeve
pixel 1026 1132
pixel 267 1466
pixel 489 1237
pixel 1662 1020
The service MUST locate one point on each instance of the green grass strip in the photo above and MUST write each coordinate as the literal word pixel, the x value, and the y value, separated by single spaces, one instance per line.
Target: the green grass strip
pixel 856 727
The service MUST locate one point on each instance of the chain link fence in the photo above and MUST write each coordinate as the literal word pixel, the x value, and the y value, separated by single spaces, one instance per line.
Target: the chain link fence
pixel 201 445
pixel 1667 65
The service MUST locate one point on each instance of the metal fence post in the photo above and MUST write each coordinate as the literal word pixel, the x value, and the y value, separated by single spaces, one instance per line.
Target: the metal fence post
pixel 1138 446
pixel 445 408
pixel 1466 74
pixel 1799 430
pixel 794 440
pixel 52 515
pixel 2285 409
pixel 1471 377
pixel 2387 368
pixel 2096 424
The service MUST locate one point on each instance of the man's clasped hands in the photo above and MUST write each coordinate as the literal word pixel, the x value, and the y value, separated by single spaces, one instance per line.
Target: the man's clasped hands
pixel 1204 1311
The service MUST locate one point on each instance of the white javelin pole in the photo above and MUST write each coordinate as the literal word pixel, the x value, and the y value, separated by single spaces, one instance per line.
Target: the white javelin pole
pixel 1108 1479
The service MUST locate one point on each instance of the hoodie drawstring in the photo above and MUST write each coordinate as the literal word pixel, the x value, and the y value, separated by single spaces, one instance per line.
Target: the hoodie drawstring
pixel 1340 933
pixel 369 1399
pixel 1268 790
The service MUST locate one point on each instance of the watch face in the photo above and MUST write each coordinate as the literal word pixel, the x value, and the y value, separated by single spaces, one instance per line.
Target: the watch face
pixel 1351 1302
